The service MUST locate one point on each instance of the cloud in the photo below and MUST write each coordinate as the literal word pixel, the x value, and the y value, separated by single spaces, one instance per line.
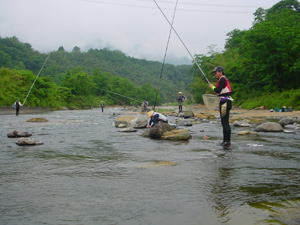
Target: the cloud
pixel 135 27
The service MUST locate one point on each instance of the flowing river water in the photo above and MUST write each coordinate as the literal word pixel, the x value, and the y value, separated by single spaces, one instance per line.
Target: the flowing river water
pixel 89 173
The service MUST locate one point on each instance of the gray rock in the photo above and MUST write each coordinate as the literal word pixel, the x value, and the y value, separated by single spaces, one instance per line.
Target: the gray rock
pixel 287 120
pixel 139 122
pixel 18 134
pixel 269 127
pixel 185 122
pixel 157 131
pixel 28 141
pixel 129 129
pixel 241 123
pixel 177 135
pixel 186 114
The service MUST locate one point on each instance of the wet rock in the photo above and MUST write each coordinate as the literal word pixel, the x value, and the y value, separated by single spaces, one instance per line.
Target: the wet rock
pixel 287 121
pixel 159 129
pixel 121 125
pixel 241 123
pixel 129 129
pixel 247 132
pixel 294 126
pixel 186 114
pixel 177 135
pixel 18 134
pixel 38 119
pixel 124 121
pixel 185 122
pixel 28 141
pixel 139 122
pixel 269 127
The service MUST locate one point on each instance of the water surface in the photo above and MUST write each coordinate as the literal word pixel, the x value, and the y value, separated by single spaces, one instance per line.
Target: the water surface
pixel 88 173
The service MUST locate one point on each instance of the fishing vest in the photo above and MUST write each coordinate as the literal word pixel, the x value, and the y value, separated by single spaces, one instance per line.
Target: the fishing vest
pixel 227 88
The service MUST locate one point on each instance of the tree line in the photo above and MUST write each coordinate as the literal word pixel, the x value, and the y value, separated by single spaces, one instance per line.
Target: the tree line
pixel 263 62
pixel 77 89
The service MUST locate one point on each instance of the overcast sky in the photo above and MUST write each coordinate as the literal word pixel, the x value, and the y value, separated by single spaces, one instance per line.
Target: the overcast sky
pixel 135 27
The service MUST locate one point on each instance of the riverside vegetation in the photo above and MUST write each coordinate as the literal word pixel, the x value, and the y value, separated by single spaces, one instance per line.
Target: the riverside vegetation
pixel 263 64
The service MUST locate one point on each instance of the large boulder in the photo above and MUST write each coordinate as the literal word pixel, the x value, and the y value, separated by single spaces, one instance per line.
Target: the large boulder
pixel 18 134
pixel 28 141
pixel 176 135
pixel 269 127
pixel 159 129
pixel 124 121
pixel 140 121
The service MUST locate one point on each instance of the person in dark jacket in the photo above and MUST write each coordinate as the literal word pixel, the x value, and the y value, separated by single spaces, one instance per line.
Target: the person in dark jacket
pixel 17 106
pixel 223 89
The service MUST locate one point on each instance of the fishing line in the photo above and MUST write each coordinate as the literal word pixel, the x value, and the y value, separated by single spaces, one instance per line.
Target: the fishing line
pixel 136 100
pixel 36 78
pixel 166 51
pixel 182 42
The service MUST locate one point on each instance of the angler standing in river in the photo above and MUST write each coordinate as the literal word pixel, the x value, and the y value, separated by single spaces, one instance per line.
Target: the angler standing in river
pixel 180 99
pixel 17 106
pixel 223 89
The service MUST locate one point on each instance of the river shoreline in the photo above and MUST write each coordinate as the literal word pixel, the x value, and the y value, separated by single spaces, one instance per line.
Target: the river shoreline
pixel 236 113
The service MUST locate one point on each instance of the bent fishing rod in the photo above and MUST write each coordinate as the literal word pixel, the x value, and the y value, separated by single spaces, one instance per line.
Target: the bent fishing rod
pixel 36 79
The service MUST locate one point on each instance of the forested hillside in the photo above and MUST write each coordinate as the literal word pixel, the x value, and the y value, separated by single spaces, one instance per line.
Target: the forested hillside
pixel 17 55
pixel 263 63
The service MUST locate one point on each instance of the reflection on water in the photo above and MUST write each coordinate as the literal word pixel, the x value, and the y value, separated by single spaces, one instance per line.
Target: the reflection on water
pixel 88 173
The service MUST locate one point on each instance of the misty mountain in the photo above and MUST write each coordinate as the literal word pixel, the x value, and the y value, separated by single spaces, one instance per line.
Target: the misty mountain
pixel 18 55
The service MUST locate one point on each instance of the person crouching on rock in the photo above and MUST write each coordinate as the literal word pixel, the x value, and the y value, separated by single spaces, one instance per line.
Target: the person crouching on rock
pixel 155 117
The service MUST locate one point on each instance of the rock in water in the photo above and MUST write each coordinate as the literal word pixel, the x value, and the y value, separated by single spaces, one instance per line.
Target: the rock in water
pixel 37 120
pixel 177 135
pixel 28 141
pixel 269 127
pixel 157 131
pixel 128 129
pixel 18 134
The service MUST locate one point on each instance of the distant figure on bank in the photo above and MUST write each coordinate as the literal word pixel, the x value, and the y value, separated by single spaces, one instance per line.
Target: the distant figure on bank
pixel 145 105
pixel 102 107
pixel 223 89
pixel 155 117
pixel 17 106
pixel 180 99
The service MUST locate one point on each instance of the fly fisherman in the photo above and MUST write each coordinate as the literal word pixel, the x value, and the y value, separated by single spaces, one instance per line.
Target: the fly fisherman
pixel 17 106
pixel 224 91
pixel 180 99
pixel 155 117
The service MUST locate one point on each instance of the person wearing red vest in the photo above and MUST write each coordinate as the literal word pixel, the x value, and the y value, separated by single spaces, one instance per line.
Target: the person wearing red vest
pixel 223 89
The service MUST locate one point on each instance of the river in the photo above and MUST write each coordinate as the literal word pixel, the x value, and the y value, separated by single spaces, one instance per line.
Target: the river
pixel 87 172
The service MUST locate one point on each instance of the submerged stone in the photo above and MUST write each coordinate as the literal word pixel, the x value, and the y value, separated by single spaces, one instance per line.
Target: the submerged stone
pixel 37 120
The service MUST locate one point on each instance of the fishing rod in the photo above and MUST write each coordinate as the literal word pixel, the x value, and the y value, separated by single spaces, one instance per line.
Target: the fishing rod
pixel 182 42
pixel 36 79
pixel 136 100
pixel 166 51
